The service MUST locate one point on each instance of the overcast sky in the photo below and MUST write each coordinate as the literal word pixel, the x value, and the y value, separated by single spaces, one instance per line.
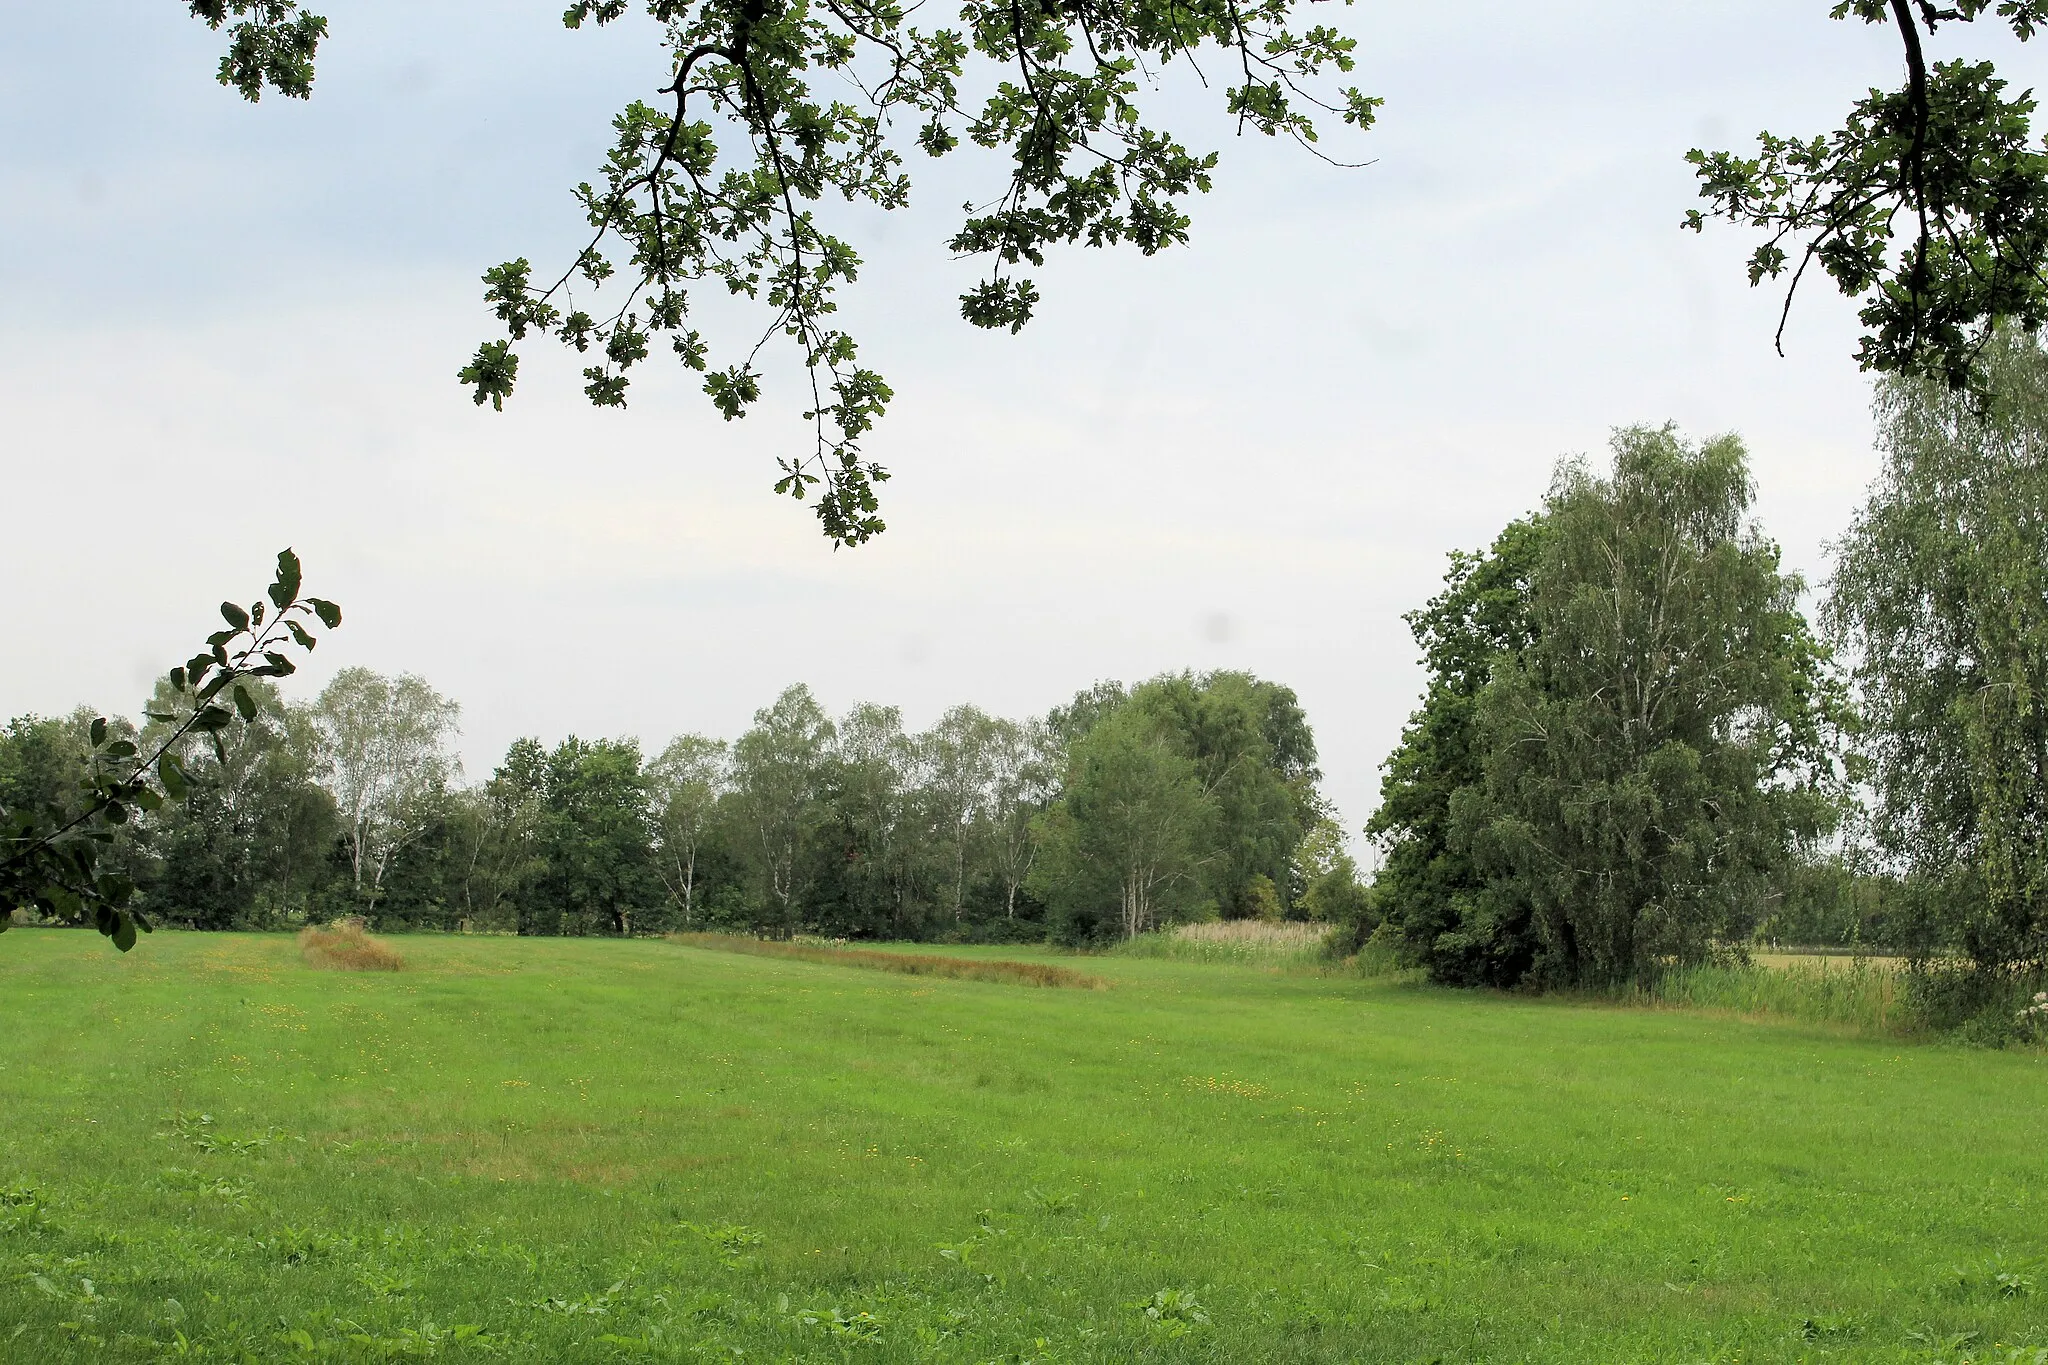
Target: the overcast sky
pixel 225 328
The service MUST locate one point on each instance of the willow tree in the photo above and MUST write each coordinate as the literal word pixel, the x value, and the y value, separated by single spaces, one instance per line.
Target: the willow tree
pixel 1654 753
pixel 1941 591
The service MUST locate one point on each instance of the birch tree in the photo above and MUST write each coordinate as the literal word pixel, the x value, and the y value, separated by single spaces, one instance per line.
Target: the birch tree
pixel 1124 846
pixel 958 775
pixel 1653 755
pixel 385 756
pixel 878 768
pixel 777 769
pixel 1941 591
pixel 1021 783
pixel 685 784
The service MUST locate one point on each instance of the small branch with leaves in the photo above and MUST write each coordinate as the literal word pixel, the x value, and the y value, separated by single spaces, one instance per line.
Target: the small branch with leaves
pixel 713 183
pixel 50 856
pixel 1953 155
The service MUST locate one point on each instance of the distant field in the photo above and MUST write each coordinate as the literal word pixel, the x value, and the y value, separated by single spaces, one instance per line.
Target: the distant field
pixel 570 1150
pixel 1826 961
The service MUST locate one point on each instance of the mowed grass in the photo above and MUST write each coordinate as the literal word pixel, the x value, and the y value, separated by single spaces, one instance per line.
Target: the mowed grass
pixel 594 1150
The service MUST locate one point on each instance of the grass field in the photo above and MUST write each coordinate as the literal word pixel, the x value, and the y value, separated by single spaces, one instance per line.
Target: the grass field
pixel 594 1150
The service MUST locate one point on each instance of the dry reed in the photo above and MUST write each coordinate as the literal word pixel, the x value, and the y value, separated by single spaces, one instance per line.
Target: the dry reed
pixel 909 964
pixel 1245 942
pixel 343 947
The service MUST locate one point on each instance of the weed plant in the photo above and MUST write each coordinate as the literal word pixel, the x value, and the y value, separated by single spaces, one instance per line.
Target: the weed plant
pixel 570 1150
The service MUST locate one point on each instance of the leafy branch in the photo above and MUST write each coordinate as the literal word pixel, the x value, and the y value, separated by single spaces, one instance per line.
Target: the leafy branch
pixel 1952 155
pixel 49 855
pixel 771 105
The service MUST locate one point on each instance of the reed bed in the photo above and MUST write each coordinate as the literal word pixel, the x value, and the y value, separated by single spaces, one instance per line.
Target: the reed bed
pixel 1243 942
pixel 1861 992
pixel 345 946
pixel 908 964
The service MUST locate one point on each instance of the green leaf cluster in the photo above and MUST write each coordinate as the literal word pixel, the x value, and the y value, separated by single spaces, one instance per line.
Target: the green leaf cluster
pixel 771 106
pixel 1930 203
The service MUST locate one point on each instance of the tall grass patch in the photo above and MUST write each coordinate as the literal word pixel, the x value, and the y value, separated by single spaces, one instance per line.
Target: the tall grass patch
pixel 344 946
pixel 1243 942
pixel 1863 993
pixel 909 964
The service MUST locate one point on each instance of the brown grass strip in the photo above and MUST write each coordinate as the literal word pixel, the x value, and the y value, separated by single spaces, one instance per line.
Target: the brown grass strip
pixel 909 964
pixel 343 947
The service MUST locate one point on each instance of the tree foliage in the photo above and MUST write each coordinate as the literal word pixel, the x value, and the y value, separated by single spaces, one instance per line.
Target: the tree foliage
pixel 772 106
pixel 1652 737
pixel 249 846
pixel 1187 796
pixel 684 785
pixel 1952 155
pixel 852 827
pixel 596 841
pixel 387 758
pixel 1941 594
pixel 1653 755
pixel 1428 885
pixel 1929 203
pixel 1124 847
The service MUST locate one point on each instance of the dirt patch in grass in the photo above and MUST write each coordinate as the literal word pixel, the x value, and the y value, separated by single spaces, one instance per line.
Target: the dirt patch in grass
pixel 344 947
pixel 909 964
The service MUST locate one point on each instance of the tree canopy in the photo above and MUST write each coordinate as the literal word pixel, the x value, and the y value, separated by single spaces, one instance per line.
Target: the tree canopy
pixel 1629 730
pixel 1941 599
pixel 1950 153
pixel 978 827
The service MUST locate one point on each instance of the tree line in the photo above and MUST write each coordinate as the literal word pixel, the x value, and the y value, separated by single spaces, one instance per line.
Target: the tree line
pixel 1188 796
pixel 1635 751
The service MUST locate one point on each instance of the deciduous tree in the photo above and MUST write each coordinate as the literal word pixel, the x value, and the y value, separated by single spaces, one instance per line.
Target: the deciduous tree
pixel 776 769
pixel 1123 847
pixel 684 785
pixel 51 847
pixel 1941 596
pixel 1654 752
pixel 386 758
pixel 1427 885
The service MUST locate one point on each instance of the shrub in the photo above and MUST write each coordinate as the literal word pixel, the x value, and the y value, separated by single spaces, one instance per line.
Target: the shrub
pixel 343 946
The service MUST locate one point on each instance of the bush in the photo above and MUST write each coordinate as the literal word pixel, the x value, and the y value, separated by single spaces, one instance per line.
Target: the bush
pixel 1978 1005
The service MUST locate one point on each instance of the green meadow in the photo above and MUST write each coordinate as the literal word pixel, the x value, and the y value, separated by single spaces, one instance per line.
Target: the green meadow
pixel 581 1149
